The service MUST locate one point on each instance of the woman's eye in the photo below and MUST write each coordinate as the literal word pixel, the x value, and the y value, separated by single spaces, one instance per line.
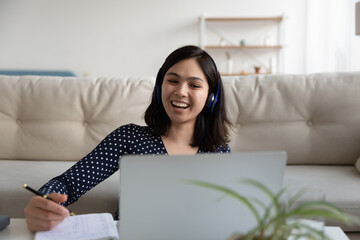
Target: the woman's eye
pixel 171 81
pixel 195 85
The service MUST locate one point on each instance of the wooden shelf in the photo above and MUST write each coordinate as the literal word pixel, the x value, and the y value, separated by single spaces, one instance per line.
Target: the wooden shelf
pixel 265 51
pixel 243 47
pixel 222 19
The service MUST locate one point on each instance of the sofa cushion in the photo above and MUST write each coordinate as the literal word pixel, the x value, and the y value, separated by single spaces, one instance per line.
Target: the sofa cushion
pixel 340 184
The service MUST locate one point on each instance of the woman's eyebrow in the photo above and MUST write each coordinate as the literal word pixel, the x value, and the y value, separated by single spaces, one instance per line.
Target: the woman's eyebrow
pixel 189 78
pixel 172 74
pixel 195 78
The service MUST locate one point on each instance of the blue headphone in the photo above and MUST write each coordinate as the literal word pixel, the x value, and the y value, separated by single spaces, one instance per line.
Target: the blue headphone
pixel 211 100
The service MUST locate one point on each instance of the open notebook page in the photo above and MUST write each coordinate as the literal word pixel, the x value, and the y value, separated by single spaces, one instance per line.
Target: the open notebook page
pixel 82 227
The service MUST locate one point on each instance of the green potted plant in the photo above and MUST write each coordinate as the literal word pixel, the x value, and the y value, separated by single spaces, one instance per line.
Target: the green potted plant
pixel 279 221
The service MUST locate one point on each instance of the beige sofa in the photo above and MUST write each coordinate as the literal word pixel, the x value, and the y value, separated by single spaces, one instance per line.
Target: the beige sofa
pixel 47 123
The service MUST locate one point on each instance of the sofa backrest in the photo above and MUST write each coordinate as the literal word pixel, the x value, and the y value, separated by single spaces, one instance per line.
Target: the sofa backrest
pixel 314 118
pixel 63 118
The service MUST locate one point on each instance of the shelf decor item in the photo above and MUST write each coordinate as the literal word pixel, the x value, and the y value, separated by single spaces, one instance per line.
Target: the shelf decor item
pixel 279 220
pixel 267 40
pixel 222 42
pixel 244 70
pixel 270 66
pixel 229 63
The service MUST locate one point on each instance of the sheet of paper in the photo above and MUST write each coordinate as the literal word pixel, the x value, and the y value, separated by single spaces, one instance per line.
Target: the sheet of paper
pixel 82 227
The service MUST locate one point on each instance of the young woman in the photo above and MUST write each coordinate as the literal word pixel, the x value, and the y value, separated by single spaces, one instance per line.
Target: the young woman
pixel 186 116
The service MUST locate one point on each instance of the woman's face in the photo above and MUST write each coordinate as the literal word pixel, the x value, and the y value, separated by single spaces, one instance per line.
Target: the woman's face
pixel 184 92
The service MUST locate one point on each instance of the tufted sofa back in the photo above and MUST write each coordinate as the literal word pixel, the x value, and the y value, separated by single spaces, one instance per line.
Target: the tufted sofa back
pixel 314 118
pixel 63 118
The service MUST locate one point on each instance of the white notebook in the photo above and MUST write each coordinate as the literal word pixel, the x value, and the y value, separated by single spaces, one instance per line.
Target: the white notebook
pixel 99 226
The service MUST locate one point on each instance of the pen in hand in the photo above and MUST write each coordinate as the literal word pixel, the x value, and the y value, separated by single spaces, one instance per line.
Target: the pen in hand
pixel 44 196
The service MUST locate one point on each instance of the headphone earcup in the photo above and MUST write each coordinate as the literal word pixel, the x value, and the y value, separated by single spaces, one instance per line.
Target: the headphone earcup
pixel 209 102
pixel 214 103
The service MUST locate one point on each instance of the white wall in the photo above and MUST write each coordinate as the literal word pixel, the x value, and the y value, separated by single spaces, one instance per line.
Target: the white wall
pixel 125 38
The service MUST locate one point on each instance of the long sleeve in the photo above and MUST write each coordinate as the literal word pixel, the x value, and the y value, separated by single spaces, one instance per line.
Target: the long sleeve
pixel 103 161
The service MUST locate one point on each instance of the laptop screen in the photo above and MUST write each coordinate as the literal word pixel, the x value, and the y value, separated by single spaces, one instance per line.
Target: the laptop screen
pixel 157 202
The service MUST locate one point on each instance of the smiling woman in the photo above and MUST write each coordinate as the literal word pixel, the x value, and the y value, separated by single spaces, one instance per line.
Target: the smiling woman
pixel 186 116
pixel 193 74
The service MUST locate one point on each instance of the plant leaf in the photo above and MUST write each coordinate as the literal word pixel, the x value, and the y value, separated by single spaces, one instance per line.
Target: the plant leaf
pixel 229 192
pixel 273 197
pixel 323 209
pixel 276 224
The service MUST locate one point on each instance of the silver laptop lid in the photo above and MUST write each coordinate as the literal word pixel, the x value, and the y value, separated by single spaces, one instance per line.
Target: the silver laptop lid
pixel 156 203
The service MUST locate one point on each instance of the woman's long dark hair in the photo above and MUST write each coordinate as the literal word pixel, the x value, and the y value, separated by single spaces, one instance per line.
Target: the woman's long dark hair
pixel 211 128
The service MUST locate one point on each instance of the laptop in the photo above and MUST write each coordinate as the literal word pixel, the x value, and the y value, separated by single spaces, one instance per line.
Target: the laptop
pixel 157 202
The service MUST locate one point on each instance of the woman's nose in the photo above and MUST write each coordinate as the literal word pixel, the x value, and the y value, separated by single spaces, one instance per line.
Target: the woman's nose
pixel 182 90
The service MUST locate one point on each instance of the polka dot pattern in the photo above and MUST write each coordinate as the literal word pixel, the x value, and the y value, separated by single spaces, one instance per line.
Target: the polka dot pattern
pixel 103 161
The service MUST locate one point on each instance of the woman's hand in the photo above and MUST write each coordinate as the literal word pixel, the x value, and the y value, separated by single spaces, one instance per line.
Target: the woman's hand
pixel 42 214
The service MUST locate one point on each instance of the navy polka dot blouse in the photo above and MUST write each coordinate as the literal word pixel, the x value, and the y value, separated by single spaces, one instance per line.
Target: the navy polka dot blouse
pixel 103 161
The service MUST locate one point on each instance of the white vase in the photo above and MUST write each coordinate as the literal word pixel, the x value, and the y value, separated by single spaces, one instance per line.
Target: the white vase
pixel 229 63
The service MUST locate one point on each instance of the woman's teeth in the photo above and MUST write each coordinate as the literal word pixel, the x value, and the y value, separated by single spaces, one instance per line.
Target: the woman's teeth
pixel 179 104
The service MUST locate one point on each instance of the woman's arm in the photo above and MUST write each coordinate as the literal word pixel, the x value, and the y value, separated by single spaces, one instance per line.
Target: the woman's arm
pixel 91 170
